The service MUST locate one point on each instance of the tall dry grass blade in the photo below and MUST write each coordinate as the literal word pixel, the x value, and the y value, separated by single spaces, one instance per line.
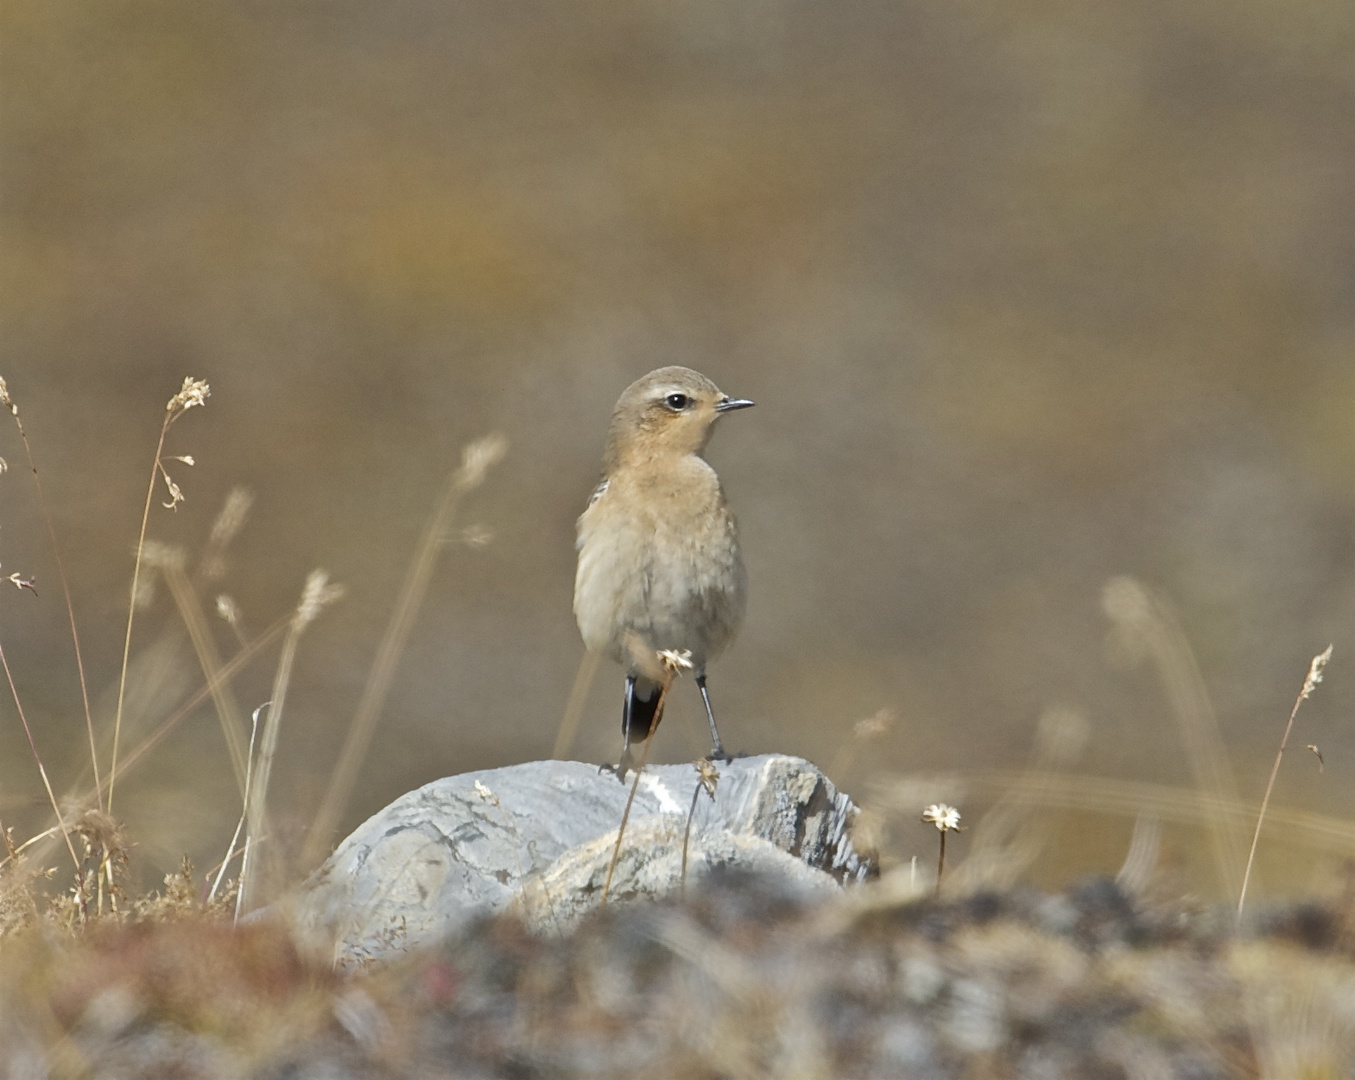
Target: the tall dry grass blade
pixel 1309 685
pixel 9 403
pixel 476 461
pixel 142 751
pixel 244 809
pixel 707 778
pixel 864 731
pixel 671 663
pixel 578 697
pixel 1006 841
pixel 1121 798
pixel 630 799
pixel 1146 619
pixel 42 769
pixel 317 595
pixel 1141 860
pixel 193 393
pixel 229 521
pixel 16 850
pixel 228 711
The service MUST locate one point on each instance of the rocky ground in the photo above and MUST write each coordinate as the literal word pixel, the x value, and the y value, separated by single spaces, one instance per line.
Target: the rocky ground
pixel 741 979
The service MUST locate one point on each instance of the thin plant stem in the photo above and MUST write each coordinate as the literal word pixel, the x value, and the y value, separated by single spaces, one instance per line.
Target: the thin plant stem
pixel 630 799
pixel 228 671
pixel 863 732
pixel 1149 619
pixel 941 863
pixel 131 609
pixel 687 837
pixel 16 851
pixel 240 884
pixel 193 393
pixel 42 771
pixel 1309 684
pixel 65 589
pixel 199 633
pixel 946 819
pixel 707 777
pixel 316 595
pixel 625 814
pixel 477 458
pixel 258 794
pixel 244 807
pixel 1119 798
pixel 578 697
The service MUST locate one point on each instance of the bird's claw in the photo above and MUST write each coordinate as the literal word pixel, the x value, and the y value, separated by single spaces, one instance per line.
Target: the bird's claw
pixel 621 768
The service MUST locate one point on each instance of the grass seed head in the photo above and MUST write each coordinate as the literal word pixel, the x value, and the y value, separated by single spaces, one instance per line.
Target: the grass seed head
pixel 1315 673
pixel 315 597
pixel 194 392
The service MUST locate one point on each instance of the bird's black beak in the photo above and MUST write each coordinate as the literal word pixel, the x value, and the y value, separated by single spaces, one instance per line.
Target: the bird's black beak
pixel 729 404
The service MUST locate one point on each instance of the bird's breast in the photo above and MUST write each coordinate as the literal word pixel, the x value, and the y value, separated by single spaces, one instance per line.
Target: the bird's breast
pixel 659 560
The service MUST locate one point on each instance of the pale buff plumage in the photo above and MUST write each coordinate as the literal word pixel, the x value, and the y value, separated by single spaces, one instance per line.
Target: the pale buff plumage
pixel 659 564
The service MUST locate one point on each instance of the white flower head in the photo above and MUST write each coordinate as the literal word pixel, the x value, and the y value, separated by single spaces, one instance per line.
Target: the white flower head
pixel 945 818
pixel 676 660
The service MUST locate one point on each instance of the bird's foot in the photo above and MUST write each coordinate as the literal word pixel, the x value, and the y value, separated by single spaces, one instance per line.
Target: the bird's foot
pixel 621 768
pixel 719 753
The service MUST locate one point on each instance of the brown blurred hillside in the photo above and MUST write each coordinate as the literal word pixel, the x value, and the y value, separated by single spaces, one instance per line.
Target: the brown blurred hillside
pixel 1028 295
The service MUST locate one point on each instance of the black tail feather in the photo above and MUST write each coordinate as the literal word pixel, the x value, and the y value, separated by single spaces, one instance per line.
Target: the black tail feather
pixel 642 701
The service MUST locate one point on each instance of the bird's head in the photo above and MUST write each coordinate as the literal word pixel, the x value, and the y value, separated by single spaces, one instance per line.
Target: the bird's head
pixel 671 410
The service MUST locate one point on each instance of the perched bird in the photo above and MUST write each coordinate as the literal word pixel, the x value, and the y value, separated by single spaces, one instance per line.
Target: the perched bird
pixel 659 563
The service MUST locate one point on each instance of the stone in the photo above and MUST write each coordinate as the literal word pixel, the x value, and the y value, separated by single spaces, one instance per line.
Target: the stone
pixel 539 837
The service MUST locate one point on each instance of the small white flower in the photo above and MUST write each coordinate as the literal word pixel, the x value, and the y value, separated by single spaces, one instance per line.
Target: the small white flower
pixel 676 659
pixel 945 818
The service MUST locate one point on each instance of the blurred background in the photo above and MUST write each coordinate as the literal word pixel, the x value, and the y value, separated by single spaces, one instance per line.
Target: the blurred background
pixel 1029 295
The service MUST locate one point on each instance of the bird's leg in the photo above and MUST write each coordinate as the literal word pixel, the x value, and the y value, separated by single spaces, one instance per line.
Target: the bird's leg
pixel 627 762
pixel 718 752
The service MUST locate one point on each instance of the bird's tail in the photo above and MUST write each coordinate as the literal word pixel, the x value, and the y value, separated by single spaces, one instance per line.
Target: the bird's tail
pixel 642 700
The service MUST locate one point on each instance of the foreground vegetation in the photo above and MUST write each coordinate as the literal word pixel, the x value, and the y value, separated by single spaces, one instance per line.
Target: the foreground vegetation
pixel 739 981
pixel 957 972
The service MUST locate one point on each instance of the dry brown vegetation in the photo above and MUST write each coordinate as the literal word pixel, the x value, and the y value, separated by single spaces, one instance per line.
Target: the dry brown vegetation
pixel 1030 295
pixel 985 978
pixel 737 981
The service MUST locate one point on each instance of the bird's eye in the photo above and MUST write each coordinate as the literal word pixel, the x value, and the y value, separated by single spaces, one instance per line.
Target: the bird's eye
pixel 677 402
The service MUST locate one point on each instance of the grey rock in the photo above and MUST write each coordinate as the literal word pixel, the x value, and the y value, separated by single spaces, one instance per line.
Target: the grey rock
pixel 539 838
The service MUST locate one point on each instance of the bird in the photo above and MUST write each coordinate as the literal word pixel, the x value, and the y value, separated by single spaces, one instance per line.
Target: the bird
pixel 659 565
